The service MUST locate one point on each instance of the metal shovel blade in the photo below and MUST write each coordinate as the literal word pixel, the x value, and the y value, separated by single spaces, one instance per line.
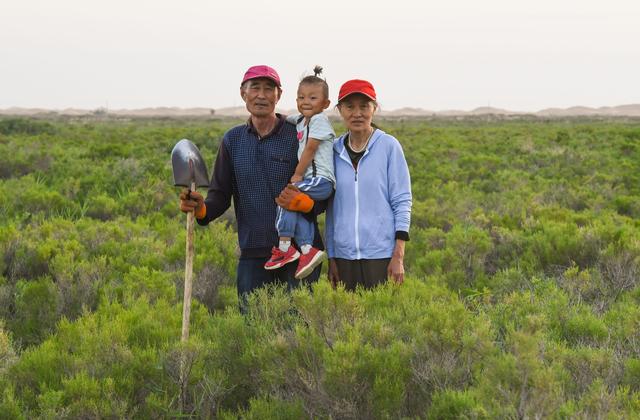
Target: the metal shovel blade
pixel 188 165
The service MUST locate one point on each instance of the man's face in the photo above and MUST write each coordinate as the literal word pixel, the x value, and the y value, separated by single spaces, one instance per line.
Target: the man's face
pixel 260 96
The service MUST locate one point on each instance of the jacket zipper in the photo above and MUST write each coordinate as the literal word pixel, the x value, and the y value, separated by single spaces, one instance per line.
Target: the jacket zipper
pixel 357 216
pixel 355 170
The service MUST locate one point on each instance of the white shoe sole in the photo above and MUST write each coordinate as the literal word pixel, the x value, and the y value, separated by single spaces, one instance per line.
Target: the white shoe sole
pixel 275 267
pixel 315 261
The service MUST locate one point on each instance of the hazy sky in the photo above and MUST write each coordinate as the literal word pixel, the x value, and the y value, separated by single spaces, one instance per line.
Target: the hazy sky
pixel 454 54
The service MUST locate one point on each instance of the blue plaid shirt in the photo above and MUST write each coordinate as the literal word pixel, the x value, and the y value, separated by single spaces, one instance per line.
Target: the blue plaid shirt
pixel 253 170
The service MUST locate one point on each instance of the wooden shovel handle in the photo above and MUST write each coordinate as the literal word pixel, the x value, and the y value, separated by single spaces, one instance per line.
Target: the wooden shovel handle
pixel 188 273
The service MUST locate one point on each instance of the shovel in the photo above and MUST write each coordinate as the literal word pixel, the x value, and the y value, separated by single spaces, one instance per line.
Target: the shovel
pixel 189 170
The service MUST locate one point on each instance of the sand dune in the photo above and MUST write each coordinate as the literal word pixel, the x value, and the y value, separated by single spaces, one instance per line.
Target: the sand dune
pixel 631 110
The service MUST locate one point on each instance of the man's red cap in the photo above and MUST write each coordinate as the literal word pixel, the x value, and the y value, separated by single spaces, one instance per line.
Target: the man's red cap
pixel 357 86
pixel 262 71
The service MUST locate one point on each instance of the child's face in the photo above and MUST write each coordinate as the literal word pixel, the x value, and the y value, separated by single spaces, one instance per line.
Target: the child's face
pixel 311 99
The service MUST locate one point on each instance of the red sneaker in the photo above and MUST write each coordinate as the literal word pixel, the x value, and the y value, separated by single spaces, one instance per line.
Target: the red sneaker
pixel 279 258
pixel 308 262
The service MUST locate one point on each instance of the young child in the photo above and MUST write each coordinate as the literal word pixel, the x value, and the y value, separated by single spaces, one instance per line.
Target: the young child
pixel 314 176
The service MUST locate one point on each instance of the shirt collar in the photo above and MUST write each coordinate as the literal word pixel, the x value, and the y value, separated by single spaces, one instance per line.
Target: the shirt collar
pixel 278 126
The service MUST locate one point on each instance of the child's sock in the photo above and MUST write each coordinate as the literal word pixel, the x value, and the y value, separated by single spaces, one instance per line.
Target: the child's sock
pixel 305 249
pixel 284 245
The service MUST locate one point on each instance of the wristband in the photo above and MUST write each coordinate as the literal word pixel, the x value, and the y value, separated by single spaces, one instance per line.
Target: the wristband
pixel 302 203
pixel 201 212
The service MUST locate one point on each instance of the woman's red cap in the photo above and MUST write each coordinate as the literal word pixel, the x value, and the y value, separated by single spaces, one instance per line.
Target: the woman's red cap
pixel 357 86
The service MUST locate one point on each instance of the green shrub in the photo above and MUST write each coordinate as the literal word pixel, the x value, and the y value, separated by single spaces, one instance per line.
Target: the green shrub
pixel 632 374
pixel 36 311
pixel 102 207
pixel 584 328
pixel 7 352
pixel 600 402
pixel 268 408
pixel 585 365
pixel 14 126
pixel 10 408
pixel 455 405
pixel 520 383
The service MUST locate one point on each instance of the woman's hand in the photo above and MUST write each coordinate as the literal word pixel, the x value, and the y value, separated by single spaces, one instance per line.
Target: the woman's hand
pixel 334 277
pixel 395 270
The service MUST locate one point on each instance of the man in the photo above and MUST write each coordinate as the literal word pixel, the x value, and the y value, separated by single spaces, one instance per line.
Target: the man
pixel 254 164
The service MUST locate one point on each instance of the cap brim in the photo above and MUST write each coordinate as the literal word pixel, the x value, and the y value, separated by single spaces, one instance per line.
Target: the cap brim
pixel 263 77
pixel 361 93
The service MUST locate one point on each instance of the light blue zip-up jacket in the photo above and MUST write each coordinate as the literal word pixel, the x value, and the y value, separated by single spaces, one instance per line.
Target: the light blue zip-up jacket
pixel 371 203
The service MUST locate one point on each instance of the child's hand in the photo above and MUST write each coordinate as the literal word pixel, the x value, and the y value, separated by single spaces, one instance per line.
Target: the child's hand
pixel 296 178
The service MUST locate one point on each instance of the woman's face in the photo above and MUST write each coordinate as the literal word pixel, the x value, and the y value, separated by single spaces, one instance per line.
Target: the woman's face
pixel 357 112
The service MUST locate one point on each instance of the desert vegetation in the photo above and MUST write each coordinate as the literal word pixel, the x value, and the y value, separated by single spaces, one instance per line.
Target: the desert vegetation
pixel 521 299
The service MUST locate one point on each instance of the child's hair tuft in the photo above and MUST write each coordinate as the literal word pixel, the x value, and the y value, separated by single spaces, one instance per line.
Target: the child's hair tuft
pixel 316 79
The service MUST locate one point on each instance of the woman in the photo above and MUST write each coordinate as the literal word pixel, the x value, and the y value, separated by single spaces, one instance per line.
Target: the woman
pixel 369 216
